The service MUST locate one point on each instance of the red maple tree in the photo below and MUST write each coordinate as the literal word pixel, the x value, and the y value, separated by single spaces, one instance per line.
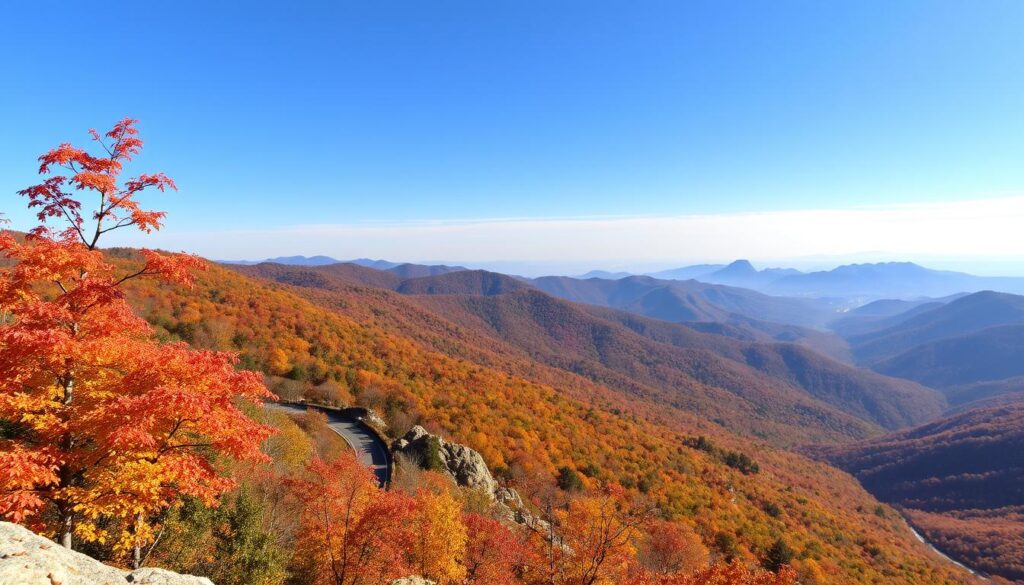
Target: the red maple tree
pixel 101 426
pixel 352 531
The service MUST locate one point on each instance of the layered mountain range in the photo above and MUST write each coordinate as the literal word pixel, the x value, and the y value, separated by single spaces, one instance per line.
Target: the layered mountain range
pixel 887 280
pixel 729 378
pixel 822 364
pixel 704 424
pixel 850 285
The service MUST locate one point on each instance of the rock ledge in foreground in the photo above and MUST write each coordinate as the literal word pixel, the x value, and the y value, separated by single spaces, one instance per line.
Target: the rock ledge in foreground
pixel 29 559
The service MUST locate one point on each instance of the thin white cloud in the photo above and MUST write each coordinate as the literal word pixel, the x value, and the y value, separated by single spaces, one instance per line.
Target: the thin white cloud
pixel 987 228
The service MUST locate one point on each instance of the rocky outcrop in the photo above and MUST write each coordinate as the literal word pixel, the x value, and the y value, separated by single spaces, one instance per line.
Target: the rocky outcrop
pixel 462 464
pixel 412 581
pixel 29 559
pixel 466 468
pixel 374 420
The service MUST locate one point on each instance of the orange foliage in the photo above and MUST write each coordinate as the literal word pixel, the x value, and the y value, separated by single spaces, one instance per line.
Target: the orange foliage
pixel 597 534
pixel 108 427
pixel 493 552
pixel 527 418
pixel 731 574
pixel 352 531
pixel 672 547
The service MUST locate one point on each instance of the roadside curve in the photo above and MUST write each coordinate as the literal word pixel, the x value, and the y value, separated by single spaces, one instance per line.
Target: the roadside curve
pixel 369 447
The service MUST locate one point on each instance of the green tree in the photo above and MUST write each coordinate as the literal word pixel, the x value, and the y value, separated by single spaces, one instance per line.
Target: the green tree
pixel 569 480
pixel 432 457
pixel 778 556
pixel 246 553
pixel 725 543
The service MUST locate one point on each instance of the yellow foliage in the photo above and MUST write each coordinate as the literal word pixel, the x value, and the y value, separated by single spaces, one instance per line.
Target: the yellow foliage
pixel 440 537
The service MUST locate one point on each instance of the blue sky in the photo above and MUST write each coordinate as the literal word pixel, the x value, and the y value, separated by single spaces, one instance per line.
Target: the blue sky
pixel 386 115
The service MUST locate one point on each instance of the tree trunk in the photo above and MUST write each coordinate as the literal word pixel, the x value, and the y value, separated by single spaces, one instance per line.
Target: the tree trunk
pixel 66 527
pixel 137 549
pixel 67 523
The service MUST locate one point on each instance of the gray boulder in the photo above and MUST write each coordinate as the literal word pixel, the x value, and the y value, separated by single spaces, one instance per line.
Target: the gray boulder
pixel 462 464
pixel 467 468
pixel 29 559
pixel 374 420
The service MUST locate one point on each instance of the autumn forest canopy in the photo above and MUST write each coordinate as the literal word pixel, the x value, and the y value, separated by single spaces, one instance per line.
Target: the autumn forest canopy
pixel 639 430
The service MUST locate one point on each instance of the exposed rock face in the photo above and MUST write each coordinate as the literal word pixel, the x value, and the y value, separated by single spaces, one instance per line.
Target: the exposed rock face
pixel 412 581
pixel 29 559
pixel 464 465
pixel 374 420
pixel 467 468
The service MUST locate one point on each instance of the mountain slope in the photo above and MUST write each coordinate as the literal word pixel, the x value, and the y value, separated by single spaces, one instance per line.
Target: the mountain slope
pixel 759 387
pixel 971 348
pixel 960 317
pixel 465 282
pixel 889 280
pixel 516 422
pixel 603 344
pixel 686 300
pixel 882 314
pixel 960 479
pixel 329 277
pixel 747 329
pixel 986 393
pixel 988 355
pixel 887 401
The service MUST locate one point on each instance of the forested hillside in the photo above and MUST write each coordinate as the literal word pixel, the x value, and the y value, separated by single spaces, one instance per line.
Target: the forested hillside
pixel 524 426
pixel 962 316
pixel 671 356
pixel 967 347
pixel 960 480
pixel 760 387
pixel 689 300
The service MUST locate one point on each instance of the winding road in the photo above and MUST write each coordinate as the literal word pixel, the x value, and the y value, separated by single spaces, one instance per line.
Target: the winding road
pixel 369 447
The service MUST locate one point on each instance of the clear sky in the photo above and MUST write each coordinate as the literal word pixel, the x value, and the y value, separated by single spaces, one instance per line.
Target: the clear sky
pixel 405 129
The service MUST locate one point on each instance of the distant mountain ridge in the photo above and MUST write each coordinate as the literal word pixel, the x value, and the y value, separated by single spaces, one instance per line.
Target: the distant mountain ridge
pixel 694 272
pixel 403 269
pixel 604 274
pixel 892 280
pixel 971 347
pixel 871 281
pixel 287 260
pixel 963 316
pixel 687 300
pixel 742 273
pixel 856 283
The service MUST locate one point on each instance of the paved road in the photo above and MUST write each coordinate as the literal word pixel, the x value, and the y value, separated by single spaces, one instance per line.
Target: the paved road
pixel 368 447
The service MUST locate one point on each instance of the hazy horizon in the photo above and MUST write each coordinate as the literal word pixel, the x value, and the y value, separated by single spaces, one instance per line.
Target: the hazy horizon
pixel 1006 268
pixel 975 236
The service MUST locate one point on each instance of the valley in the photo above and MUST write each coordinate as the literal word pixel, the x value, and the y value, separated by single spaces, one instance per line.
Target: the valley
pixel 606 331
pixel 579 385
